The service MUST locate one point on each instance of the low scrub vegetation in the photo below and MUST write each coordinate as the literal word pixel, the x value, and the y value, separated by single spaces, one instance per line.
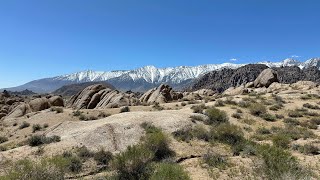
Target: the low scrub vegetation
pixel 124 109
pixel 57 109
pixel 257 109
pixel 3 139
pixel 38 140
pixel 215 160
pixel 170 171
pixel 216 116
pixel 24 125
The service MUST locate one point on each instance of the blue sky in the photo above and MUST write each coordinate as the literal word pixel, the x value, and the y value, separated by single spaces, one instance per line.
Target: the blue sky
pixel 47 38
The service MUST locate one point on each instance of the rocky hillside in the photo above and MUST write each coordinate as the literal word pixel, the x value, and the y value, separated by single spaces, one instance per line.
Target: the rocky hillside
pixel 70 90
pixel 223 79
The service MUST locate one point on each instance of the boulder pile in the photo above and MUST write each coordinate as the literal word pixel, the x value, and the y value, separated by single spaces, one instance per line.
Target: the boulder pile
pixel 161 94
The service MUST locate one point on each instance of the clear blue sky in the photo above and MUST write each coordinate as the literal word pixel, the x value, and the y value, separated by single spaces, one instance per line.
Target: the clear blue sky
pixel 42 38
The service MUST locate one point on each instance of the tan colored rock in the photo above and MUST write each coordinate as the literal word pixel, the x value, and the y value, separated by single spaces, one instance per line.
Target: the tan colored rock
pixel 99 97
pixel 39 104
pixel 266 78
pixel 205 92
pixel 56 101
pixel 161 94
pixel 236 91
pixel 249 85
pixel 303 85
pixel 19 111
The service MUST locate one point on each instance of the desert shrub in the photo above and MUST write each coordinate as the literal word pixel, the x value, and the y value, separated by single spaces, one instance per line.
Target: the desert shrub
pixel 279 116
pixel 187 134
pixel 133 163
pixel 84 152
pixel 227 133
pixel 77 113
pixel 38 140
pixel 149 128
pixel 169 171
pixel 276 107
pixel 278 99
pixel 268 117
pixel 36 127
pixel 248 121
pixel 67 154
pixel 75 164
pixel 310 106
pixel 199 108
pixel 291 121
pixel 125 109
pixel 244 104
pixel 158 143
pixel 311 113
pixel 3 139
pixel 257 109
pixel 295 132
pixel 263 131
pixel 230 101
pixel 309 149
pixel 24 125
pixel 216 116
pixel 215 160
pixel 201 133
pixel 183 104
pixel 309 96
pixel 279 162
pixel 309 125
pixel 295 114
pixel 246 148
pixel 57 109
pixel 237 115
pixel 281 141
pixel 27 169
pixel 82 117
pixel 103 157
pixel 219 103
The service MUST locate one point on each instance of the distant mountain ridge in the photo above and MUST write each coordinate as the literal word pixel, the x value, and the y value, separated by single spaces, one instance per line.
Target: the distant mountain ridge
pixel 147 77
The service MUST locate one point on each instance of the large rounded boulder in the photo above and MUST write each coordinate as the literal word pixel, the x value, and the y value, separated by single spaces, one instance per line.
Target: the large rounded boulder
pixel 39 104
pixel 56 101
pixel 266 78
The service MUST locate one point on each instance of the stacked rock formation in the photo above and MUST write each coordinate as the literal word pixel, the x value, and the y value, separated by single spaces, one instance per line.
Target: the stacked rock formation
pixel 161 94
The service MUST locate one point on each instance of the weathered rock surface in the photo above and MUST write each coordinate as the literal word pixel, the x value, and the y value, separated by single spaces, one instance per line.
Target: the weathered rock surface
pixel 236 91
pixel 56 101
pixel 115 133
pixel 20 110
pixel 39 104
pixel 98 96
pixel 161 94
pixel 266 78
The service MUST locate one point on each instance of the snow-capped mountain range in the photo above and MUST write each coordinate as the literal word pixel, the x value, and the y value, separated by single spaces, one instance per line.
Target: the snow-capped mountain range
pixel 146 77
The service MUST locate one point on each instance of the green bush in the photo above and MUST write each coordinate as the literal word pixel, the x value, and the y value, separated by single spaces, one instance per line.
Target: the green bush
pixel 158 143
pixel 310 106
pixel 295 114
pixel 281 141
pixel 196 118
pixel 276 107
pixel 257 109
pixel 263 131
pixel 24 125
pixel 125 109
pixel 38 140
pixel 215 160
pixel 77 113
pixel 168 171
pixel 103 157
pixel 279 163
pixel 216 116
pixel 227 133
pixel 291 121
pixel 36 127
pixel 27 169
pixel 309 149
pixel 199 108
pixel 268 117
pixel 3 139
pixel 219 103
pixel 244 104
pixel 75 164
pixel 133 163
pixel 149 128
pixel 84 152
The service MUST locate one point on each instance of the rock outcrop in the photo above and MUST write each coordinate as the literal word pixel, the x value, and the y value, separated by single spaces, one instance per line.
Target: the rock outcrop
pixel 98 96
pixel 39 104
pixel 266 78
pixel 56 101
pixel 161 94
pixel 20 110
